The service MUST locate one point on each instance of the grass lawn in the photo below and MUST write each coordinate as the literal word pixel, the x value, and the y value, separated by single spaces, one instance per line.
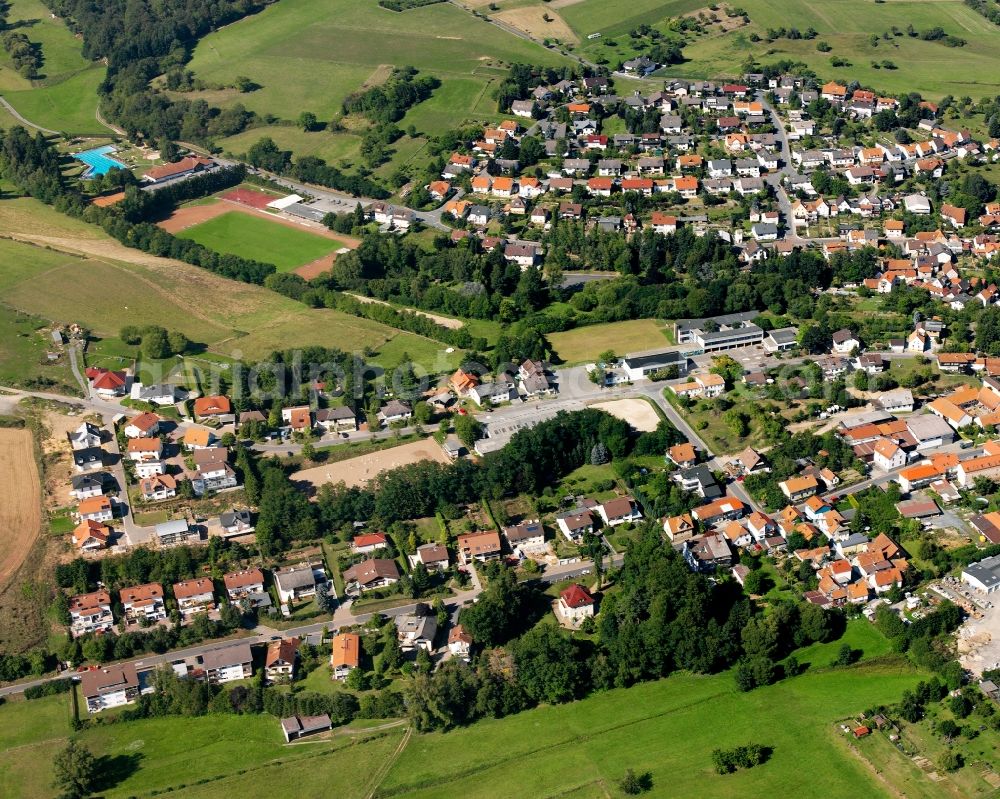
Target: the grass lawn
pixel 253 237
pixel 583 479
pixel 668 728
pixel 30 736
pixel 860 635
pixel 584 344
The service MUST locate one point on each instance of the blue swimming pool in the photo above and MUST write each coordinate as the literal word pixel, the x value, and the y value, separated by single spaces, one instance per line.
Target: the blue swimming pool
pixel 98 162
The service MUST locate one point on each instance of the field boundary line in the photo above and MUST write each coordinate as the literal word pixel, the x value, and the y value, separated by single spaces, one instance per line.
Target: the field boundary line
pixel 386 767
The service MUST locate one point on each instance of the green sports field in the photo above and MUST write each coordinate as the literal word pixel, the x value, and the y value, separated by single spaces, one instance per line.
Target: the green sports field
pixel 258 239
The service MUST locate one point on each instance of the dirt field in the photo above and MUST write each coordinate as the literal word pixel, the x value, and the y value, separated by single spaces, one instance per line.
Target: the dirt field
pixel 249 197
pixel 636 412
pixel 358 471
pixel 444 321
pixel 58 464
pixel 20 495
pixel 531 20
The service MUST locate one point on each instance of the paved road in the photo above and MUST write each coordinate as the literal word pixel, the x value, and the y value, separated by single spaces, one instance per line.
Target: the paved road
pixel 17 115
pixel 345 203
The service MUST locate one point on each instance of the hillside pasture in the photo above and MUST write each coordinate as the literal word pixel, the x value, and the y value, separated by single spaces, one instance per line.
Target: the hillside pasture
pixel 930 68
pixel 64 97
pixel 668 728
pixel 66 271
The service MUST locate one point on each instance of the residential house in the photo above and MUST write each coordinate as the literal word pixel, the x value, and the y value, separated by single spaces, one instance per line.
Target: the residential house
pixel 683 455
pixel 142 426
pixel 576 604
pixel 212 471
pixel 296 582
pixel 478 547
pixel 90 536
pixel 395 411
pixel 298 418
pixel 281 659
pixel 227 664
pixel 888 455
pixel 459 642
pixel 145 449
pixel 620 510
pixel 369 543
pixel 528 536
pixel 679 528
pixel 85 486
pixel 107 384
pixel 345 654
pixel 708 553
pixel 157 487
pixel 416 631
pixel 143 602
pixel 110 686
pixel 237 521
pixel 195 596
pixel 434 557
pixel 90 613
pixel 718 511
pixel 95 509
pixel 337 420
pixel 844 342
pixel 575 524
pixel 90 459
pixel 242 584
pixel 370 574
pixel 494 393
pixel 198 437
pixel 797 489
pixel 212 407
pixel 86 436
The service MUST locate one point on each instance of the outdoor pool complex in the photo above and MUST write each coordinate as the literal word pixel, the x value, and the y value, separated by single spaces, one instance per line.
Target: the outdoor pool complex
pixel 98 162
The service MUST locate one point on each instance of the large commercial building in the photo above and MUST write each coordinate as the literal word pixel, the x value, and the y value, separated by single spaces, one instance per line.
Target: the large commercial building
pixel 726 332
pixel 983 576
